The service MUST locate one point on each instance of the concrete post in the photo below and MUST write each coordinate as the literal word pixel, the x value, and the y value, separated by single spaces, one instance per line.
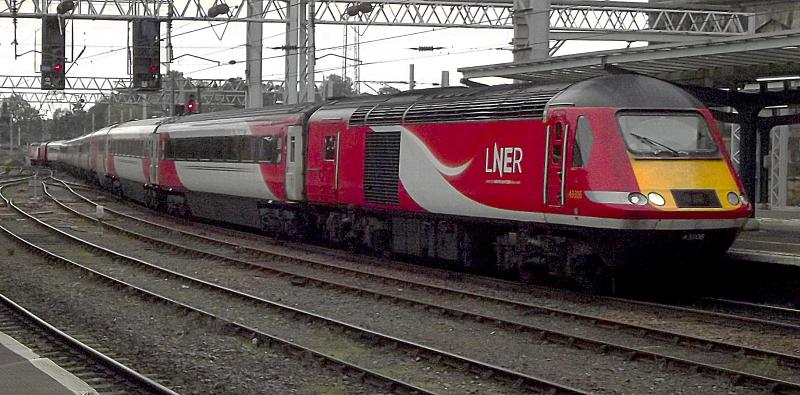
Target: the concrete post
pixel 445 79
pixel 531 30
pixel 255 97
pixel 311 54
pixel 292 27
pixel 412 83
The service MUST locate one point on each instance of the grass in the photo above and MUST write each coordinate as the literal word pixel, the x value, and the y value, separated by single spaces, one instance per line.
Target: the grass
pixel 764 367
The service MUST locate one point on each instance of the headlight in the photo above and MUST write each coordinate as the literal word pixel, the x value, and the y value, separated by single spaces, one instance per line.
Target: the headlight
pixel 733 198
pixel 743 198
pixel 656 199
pixel 637 199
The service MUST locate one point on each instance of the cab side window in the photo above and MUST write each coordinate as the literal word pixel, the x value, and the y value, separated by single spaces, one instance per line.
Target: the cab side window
pixel 329 153
pixel 584 139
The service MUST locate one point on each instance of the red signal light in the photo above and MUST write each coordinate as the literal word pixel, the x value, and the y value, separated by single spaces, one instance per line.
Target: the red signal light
pixel 58 67
pixel 190 106
pixel 154 69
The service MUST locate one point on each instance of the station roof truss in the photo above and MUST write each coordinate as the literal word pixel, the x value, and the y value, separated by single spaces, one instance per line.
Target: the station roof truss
pixel 569 19
pixel 116 90
pixel 157 99
pixel 719 62
pixel 33 82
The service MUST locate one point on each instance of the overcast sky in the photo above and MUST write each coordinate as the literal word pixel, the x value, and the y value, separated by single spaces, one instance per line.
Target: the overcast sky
pixel 385 60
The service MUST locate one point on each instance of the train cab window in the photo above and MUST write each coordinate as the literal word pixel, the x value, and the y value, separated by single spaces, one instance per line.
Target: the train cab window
pixel 270 149
pixel 584 138
pixel 557 152
pixel 330 148
pixel 670 134
pixel 559 131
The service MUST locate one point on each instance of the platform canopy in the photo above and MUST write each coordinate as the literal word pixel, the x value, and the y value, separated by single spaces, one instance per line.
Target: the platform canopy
pixel 718 62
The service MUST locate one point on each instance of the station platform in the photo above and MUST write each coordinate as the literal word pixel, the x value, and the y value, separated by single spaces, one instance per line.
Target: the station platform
pixel 772 237
pixel 24 372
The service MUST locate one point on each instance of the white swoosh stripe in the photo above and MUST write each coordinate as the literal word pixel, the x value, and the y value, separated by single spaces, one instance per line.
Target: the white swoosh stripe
pixel 439 166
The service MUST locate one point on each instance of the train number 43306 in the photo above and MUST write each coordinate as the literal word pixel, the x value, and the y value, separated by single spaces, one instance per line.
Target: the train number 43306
pixel 694 236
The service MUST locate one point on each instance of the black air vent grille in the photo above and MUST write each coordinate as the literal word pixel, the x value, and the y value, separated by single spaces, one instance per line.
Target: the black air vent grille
pixel 449 110
pixel 497 107
pixel 697 198
pixel 387 114
pixel 359 116
pixel 382 167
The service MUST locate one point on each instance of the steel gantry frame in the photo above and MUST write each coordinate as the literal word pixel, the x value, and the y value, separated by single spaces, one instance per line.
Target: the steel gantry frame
pixel 569 19
pixel 102 89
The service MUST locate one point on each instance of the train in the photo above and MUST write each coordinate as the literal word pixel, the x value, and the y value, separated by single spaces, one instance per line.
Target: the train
pixel 575 181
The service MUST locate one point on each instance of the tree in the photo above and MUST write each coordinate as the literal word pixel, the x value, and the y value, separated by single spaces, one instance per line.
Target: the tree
pixel 388 90
pixel 25 118
pixel 340 87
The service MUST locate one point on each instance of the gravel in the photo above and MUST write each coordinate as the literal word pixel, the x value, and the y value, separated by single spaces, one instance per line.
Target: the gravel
pixel 193 355
pixel 583 369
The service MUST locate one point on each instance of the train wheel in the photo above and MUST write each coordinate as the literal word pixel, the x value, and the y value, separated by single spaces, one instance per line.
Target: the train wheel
pixel 590 274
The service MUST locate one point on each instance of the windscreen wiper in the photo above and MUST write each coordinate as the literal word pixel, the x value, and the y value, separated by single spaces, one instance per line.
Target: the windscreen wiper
pixel 657 143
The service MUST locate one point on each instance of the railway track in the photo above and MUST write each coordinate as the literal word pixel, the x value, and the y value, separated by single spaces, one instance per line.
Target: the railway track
pixel 104 373
pixel 785 316
pixel 522 308
pixel 491 376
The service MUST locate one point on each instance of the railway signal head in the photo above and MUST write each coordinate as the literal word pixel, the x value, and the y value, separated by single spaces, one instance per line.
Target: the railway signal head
pixel 52 68
pixel 146 54
pixel 191 105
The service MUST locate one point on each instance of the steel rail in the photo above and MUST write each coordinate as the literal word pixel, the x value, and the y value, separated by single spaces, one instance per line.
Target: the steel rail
pixel 704 343
pixel 119 370
pixel 504 375
pixel 766 307
pixel 116 367
pixel 703 312
pixel 758 308
pixel 234 327
pixel 576 341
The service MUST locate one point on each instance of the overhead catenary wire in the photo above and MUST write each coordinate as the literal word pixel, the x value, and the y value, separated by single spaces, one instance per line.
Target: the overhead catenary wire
pixel 772 10
pixel 593 36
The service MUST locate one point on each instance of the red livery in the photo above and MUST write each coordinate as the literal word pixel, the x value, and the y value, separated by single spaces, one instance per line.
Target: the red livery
pixel 571 179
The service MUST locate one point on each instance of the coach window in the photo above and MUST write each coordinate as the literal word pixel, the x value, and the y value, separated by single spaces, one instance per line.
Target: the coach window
pixel 270 151
pixel 248 148
pixel 584 138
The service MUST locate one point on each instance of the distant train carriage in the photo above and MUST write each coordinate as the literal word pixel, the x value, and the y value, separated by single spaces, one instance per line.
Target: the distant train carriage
pixel 571 180
pixel 230 168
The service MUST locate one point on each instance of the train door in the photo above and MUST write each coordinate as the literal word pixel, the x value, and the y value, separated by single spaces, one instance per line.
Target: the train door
pixel 555 165
pixel 153 148
pixel 323 165
pixel 294 163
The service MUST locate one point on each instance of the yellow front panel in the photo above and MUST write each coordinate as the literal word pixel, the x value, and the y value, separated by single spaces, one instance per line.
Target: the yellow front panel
pixel 664 175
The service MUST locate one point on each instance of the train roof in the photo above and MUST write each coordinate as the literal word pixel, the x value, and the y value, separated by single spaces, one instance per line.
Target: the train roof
pixel 626 91
pixel 510 101
pixel 292 111
pixel 136 127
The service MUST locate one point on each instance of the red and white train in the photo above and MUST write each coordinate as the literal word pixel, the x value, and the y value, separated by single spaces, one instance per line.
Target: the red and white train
pixel 571 180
